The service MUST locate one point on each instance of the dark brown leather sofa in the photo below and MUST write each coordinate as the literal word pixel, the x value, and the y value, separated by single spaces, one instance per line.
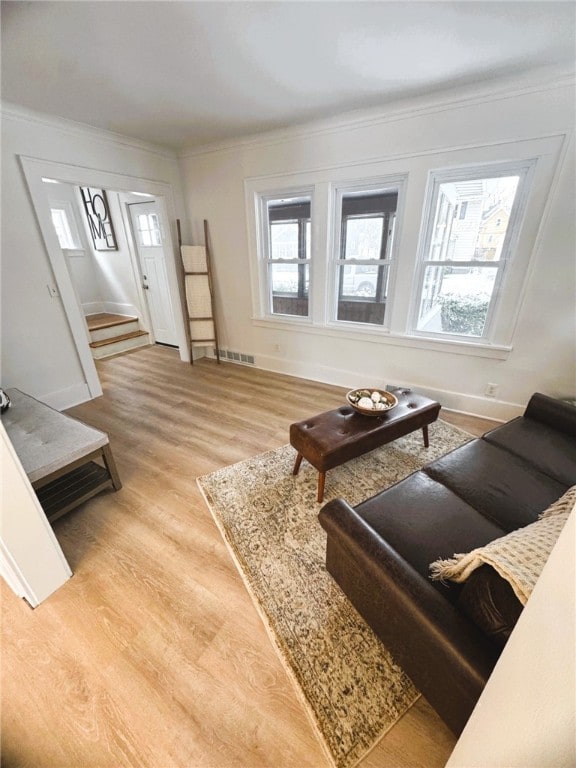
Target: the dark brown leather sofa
pixel 448 637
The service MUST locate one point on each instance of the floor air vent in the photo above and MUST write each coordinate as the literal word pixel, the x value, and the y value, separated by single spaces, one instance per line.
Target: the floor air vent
pixel 238 357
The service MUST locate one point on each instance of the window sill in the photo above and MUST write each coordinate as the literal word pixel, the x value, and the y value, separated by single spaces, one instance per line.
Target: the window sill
pixel 376 336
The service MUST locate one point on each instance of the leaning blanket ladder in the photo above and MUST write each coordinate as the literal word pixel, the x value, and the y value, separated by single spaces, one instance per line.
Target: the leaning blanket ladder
pixel 199 288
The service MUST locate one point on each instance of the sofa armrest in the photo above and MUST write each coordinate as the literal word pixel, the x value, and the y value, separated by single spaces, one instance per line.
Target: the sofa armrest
pixel 557 414
pixel 446 656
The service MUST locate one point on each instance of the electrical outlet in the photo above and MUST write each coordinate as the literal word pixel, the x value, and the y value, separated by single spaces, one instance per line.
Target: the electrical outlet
pixel 491 390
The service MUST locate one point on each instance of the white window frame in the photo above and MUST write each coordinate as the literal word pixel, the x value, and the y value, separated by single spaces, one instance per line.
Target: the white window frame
pixel 524 169
pixel 394 183
pixel 264 256
pixel 67 208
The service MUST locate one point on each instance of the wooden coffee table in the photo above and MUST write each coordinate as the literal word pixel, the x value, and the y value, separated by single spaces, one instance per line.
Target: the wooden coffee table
pixel 334 437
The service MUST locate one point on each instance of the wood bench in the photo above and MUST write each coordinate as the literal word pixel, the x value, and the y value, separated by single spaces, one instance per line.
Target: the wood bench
pixel 67 462
pixel 334 437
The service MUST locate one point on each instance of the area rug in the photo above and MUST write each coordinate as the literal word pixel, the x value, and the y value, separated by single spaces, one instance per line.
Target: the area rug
pixel 351 688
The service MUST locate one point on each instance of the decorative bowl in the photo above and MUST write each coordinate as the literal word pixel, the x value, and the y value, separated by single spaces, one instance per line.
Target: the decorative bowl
pixel 370 401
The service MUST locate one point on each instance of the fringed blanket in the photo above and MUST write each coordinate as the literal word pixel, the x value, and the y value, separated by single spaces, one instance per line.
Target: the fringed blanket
pixel 518 557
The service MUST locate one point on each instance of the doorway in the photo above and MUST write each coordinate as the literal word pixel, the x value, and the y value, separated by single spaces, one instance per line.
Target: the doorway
pixel 35 171
pixel 149 245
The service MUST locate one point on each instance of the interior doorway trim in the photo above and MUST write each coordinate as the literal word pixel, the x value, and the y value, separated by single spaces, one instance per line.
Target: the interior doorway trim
pixel 35 169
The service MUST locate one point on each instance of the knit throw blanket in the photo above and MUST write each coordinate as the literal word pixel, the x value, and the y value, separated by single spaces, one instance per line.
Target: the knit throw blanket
pixel 518 557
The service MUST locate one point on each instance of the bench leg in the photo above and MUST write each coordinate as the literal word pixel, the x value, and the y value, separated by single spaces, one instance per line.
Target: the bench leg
pixel 297 464
pixel 111 467
pixel 425 434
pixel 321 481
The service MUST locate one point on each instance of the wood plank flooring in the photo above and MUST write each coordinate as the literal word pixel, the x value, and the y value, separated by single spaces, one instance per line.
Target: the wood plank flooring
pixel 153 655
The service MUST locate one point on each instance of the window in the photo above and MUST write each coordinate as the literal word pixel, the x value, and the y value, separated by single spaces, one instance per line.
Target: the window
pixel 367 219
pixel 287 235
pixel 427 252
pixel 464 255
pixel 65 229
pixel 149 229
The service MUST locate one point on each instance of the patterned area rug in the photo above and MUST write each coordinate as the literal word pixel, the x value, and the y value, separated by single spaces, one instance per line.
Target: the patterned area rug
pixel 352 689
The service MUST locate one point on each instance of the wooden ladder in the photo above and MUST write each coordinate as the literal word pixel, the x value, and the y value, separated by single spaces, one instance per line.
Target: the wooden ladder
pixel 199 290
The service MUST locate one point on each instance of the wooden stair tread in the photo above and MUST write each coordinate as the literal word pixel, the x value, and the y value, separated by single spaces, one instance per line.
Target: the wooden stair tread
pixel 107 320
pixel 113 339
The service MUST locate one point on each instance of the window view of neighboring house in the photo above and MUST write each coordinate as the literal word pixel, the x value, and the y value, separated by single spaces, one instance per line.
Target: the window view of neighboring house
pixel 492 231
pixel 464 253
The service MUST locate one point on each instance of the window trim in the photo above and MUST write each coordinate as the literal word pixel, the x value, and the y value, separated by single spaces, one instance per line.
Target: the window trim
pixel 524 169
pixel 544 153
pixel 264 252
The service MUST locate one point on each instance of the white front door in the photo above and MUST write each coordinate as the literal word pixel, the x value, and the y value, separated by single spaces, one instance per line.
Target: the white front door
pixel 151 255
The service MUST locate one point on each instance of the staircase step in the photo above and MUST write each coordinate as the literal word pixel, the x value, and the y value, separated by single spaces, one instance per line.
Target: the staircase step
pixel 114 339
pixel 107 320
pixel 115 331
pixel 119 344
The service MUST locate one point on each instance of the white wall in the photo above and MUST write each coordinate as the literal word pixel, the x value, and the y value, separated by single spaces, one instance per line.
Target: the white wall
pixel 31 559
pixel 526 715
pixel 417 140
pixel 38 353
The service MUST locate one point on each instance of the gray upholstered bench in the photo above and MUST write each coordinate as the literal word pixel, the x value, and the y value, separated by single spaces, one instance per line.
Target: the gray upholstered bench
pixel 67 462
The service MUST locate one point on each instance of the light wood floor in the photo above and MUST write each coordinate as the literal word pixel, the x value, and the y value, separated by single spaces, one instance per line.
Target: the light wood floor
pixel 153 655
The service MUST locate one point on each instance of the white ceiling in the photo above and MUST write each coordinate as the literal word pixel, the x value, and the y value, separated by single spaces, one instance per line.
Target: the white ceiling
pixel 187 73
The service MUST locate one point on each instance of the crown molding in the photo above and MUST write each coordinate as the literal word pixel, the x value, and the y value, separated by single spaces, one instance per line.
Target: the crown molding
pixel 17 112
pixel 400 110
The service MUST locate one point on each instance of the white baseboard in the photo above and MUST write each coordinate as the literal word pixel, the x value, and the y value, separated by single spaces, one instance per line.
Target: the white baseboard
pixel 117 308
pixel 487 407
pixel 93 308
pixel 66 398
pixel 114 307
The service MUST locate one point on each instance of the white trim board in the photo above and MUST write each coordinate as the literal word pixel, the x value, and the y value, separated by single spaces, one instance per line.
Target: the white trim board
pixel 400 110
pixel 17 112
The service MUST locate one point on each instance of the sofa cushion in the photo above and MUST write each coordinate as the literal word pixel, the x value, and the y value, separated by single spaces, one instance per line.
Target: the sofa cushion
pixel 519 556
pixel 489 601
pixel 423 521
pixel 552 452
pixel 558 414
pixel 501 486
pixel 499 577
